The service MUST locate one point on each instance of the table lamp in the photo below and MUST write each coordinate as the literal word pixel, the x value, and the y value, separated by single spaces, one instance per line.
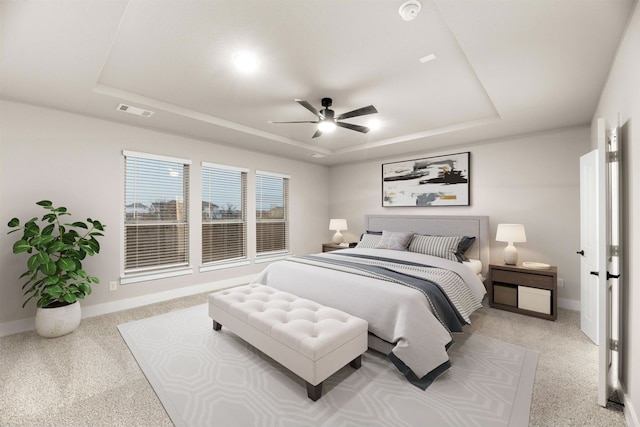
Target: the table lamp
pixel 510 233
pixel 338 224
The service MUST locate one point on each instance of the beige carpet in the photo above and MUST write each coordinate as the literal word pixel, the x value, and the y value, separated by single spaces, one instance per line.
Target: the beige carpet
pixel 90 378
pixel 216 379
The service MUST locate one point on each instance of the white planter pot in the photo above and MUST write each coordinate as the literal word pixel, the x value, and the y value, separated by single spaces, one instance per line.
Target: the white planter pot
pixel 59 321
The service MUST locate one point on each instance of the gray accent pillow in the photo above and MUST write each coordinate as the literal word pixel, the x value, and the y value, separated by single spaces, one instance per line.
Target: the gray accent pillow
pixel 369 241
pixel 440 246
pixel 463 247
pixel 397 240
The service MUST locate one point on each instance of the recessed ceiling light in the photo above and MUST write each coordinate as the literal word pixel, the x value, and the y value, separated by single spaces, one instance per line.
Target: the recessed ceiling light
pixel 427 58
pixel 245 61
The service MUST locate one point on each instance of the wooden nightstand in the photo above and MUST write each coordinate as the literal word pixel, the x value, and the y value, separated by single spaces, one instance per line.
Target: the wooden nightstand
pixel 524 290
pixel 328 247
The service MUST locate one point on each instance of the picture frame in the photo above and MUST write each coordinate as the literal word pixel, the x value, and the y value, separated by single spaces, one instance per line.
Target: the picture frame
pixel 431 181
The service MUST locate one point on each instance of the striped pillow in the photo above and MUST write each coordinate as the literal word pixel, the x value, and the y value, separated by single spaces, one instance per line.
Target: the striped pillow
pixel 440 246
pixel 369 241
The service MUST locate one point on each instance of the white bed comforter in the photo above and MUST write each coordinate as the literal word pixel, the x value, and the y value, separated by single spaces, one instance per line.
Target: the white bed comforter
pixel 398 314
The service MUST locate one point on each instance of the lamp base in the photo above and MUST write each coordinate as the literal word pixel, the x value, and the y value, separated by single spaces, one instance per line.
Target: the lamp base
pixel 338 238
pixel 510 255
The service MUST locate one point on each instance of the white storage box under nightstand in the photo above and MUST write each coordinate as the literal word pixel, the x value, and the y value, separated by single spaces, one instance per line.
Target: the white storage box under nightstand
pixel 534 299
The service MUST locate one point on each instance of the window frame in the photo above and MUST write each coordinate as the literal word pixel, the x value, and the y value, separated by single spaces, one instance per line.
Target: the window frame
pixel 229 262
pixel 281 253
pixel 140 274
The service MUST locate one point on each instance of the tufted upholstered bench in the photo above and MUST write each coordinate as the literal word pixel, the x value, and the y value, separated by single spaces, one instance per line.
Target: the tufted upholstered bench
pixel 311 340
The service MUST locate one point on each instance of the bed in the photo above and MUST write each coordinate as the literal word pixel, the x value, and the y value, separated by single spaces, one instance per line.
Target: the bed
pixel 413 299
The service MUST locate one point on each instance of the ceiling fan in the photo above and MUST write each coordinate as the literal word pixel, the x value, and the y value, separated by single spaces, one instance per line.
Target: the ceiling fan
pixel 327 120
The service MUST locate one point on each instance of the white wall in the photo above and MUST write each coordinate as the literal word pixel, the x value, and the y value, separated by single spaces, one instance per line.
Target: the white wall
pixel 620 99
pixel 531 179
pixel 77 162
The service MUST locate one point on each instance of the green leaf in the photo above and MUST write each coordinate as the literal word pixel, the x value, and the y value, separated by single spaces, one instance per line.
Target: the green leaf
pixel 70 298
pixel 44 203
pixel 60 210
pixel 80 224
pixel 49 217
pixel 15 222
pixel 51 280
pixel 94 245
pixel 66 264
pixel 31 229
pixel 48 230
pixel 21 246
pixel 54 291
pixel 33 262
pixel 56 247
pixel 49 268
pixel 44 257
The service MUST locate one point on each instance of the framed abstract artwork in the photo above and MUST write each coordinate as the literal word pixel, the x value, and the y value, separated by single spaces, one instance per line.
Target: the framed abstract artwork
pixel 432 181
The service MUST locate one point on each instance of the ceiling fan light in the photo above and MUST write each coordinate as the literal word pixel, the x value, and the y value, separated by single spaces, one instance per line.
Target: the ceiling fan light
pixel 326 126
pixel 374 124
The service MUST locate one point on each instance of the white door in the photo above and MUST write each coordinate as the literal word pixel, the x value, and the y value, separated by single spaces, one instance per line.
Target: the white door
pixel 589 245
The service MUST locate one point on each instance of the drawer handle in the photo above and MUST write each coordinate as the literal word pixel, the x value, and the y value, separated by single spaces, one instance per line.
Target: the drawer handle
pixel 581 252
pixel 595 273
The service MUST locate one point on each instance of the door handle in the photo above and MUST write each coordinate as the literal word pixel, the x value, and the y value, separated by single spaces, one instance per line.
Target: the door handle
pixel 595 273
pixel 612 276
pixel 580 253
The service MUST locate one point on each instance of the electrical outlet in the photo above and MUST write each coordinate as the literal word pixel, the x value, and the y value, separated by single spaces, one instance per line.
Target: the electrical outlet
pixel 113 286
pixel 561 283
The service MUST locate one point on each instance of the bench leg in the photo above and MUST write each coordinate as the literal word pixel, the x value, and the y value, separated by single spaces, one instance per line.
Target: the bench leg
pixel 314 391
pixel 216 326
pixel 356 363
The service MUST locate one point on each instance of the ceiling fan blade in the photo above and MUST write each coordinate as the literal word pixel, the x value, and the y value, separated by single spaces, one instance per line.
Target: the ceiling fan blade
pixel 309 107
pixel 359 112
pixel 317 134
pixel 357 128
pixel 304 121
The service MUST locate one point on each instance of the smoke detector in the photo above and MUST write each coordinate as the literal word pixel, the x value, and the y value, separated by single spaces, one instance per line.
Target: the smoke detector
pixel 410 9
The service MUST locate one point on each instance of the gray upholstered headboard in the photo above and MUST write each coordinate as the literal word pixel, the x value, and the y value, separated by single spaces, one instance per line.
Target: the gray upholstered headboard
pixel 477 226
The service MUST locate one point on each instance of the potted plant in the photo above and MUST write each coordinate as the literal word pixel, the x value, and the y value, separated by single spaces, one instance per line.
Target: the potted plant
pixel 55 278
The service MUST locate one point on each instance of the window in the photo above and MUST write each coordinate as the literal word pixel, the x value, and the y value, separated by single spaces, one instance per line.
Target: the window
pixel 224 216
pixel 272 213
pixel 156 213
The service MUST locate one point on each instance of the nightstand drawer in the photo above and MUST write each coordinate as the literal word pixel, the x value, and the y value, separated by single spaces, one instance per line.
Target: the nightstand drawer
pixel 518 278
pixel 507 295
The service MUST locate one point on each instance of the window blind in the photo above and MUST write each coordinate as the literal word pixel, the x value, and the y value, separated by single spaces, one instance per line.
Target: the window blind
pixel 272 213
pixel 156 212
pixel 224 216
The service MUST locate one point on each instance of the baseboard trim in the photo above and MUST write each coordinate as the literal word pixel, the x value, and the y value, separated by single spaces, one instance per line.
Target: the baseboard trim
pixel 630 414
pixel 23 325
pixel 569 304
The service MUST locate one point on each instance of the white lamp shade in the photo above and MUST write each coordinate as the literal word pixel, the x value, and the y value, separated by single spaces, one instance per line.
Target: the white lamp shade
pixel 338 224
pixel 511 233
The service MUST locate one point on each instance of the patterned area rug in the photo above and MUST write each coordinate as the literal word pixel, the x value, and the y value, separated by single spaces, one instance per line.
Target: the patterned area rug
pixel 215 379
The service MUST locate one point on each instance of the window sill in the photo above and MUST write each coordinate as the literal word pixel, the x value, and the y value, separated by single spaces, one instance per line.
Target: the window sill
pixel 270 258
pixel 144 277
pixel 222 266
